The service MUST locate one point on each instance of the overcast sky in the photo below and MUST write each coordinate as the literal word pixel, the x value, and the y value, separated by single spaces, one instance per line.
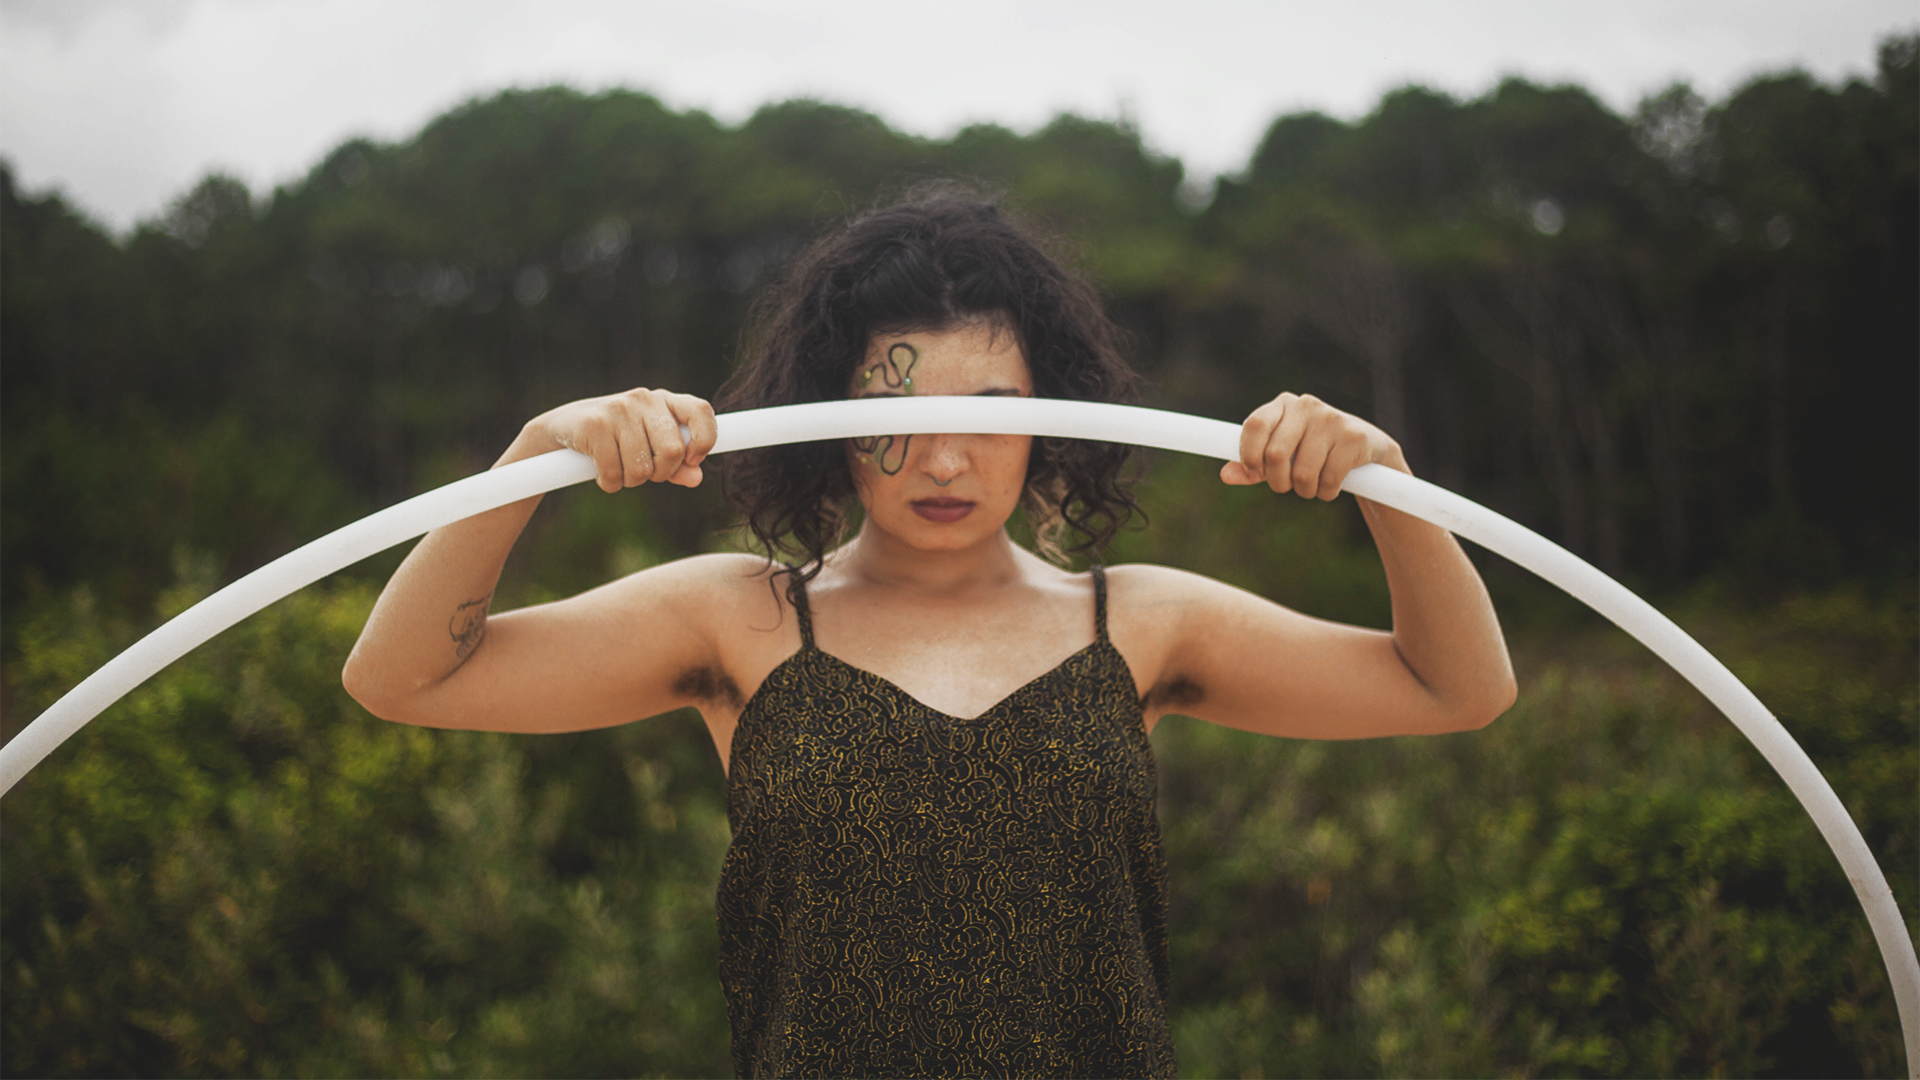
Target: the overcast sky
pixel 123 104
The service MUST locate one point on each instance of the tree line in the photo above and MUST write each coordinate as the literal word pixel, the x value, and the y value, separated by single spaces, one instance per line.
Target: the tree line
pixel 1669 340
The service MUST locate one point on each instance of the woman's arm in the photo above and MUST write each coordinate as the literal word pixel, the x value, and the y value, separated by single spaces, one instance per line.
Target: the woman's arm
pixel 431 654
pixel 1236 659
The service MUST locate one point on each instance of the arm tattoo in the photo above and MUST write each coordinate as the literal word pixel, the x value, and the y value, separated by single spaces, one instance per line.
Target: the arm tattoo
pixel 468 626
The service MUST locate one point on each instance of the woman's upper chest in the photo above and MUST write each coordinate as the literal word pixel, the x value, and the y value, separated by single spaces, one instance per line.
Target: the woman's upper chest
pixel 958 655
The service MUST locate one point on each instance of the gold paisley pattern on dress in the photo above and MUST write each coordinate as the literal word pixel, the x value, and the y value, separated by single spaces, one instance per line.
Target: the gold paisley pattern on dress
pixel 912 894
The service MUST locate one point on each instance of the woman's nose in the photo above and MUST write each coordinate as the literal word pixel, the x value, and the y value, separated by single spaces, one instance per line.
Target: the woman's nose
pixel 944 458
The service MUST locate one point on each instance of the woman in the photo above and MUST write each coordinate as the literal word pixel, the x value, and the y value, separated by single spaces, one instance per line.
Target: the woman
pixel 945 856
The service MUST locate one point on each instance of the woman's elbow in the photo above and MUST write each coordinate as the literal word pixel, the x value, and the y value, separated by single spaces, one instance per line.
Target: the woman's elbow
pixel 363 684
pixel 1470 708
pixel 1491 704
pixel 360 686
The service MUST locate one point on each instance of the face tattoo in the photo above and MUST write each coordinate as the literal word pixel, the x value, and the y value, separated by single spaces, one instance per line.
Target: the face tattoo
pixel 896 373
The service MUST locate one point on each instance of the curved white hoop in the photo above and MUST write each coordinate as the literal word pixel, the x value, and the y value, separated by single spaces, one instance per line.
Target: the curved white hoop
pixel 1040 417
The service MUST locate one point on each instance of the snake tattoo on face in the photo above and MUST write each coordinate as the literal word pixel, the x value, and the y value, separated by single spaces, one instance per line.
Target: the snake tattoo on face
pixel 888 452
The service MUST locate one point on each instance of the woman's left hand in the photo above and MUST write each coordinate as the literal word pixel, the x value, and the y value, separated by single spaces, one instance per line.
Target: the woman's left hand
pixel 1298 443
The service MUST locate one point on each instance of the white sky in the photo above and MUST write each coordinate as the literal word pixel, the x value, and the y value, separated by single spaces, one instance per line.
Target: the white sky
pixel 123 104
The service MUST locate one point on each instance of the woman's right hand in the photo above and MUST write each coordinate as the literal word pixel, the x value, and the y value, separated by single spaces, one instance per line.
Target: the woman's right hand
pixel 633 438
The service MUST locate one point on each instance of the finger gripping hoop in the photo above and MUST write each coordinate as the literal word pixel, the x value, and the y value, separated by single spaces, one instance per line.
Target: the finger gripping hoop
pixel 1039 417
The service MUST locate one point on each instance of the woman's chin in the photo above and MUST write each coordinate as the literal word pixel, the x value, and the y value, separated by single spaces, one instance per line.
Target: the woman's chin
pixel 925 533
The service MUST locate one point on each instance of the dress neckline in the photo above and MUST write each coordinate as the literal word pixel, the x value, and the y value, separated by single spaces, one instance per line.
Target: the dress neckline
pixel 803 612
pixel 987 713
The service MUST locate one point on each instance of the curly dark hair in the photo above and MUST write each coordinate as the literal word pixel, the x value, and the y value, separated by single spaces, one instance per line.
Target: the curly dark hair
pixel 943 256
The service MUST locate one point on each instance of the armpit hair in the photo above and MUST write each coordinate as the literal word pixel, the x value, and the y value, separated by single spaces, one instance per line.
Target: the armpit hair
pixel 1181 693
pixel 709 684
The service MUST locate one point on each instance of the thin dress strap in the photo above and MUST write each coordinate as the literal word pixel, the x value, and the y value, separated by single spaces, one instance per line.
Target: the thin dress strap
pixel 1099 602
pixel 798 594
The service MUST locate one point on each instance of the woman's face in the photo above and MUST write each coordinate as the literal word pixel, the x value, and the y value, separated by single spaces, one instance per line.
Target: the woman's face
pixel 941 492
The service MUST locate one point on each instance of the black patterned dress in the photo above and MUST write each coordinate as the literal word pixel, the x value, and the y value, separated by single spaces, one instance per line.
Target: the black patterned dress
pixel 912 894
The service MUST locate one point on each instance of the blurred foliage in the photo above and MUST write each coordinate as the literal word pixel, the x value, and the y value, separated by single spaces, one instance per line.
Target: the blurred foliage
pixel 1681 342
pixel 245 874
pixel 1609 881
pixel 106 500
pixel 236 871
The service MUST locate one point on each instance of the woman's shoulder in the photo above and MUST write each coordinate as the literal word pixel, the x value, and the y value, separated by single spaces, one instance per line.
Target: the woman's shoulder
pixel 717 568
pixel 1164 590
pixel 1151 580
pixel 724 579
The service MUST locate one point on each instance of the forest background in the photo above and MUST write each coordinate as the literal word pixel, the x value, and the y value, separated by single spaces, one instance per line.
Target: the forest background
pixel 1684 343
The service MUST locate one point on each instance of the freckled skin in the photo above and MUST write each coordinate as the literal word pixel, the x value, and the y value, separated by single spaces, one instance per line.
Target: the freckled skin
pixel 890 472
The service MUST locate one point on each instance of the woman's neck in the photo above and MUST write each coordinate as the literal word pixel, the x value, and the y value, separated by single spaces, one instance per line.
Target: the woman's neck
pixel 878 558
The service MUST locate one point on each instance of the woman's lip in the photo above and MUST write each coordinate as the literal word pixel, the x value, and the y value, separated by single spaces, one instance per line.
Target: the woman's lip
pixel 942 510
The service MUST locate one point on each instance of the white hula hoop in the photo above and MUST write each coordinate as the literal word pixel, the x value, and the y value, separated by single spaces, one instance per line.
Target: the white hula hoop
pixel 1039 417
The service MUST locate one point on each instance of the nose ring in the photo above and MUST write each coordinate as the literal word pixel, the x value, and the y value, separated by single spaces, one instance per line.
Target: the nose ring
pixel 943 483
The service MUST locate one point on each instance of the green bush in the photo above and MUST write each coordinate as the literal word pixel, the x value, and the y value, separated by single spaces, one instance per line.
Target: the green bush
pixel 1608 881
pixel 237 871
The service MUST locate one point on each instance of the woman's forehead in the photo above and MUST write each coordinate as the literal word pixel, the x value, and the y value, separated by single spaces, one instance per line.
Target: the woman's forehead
pixel 979 357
